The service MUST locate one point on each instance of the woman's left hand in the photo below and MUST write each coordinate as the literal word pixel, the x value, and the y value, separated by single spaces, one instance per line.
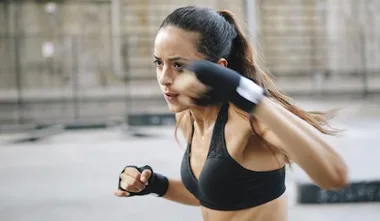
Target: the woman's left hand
pixel 189 88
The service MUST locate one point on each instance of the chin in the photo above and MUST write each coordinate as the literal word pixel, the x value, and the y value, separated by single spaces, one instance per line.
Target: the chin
pixel 176 108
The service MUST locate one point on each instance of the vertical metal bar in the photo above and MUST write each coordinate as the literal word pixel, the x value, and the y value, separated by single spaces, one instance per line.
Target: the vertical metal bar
pixel 74 77
pixel 361 27
pixel 316 45
pixel 364 63
pixel 115 28
pixel 251 16
pixel 126 74
pixel 19 102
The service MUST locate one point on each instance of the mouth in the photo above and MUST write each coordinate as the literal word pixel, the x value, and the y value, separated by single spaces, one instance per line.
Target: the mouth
pixel 170 96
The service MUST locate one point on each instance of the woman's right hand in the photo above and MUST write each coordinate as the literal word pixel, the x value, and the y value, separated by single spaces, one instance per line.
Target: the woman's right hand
pixel 133 181
pixel 141 181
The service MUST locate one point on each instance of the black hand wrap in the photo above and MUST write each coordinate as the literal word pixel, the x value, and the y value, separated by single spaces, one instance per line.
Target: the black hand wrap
pixel 226 85
pixel 157 183
pixel 211 97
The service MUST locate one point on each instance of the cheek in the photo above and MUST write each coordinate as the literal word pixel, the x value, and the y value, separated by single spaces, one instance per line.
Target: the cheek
pixel 158 74
pixel 158 77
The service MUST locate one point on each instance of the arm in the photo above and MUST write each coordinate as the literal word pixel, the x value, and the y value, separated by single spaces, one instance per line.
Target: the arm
pixel 303 145
pixel 295 136
pixel 178 193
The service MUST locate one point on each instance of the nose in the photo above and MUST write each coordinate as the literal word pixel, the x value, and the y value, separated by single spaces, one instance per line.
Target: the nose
pixel 166 77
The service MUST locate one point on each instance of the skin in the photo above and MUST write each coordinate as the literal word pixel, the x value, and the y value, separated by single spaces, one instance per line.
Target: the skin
pixel 174 48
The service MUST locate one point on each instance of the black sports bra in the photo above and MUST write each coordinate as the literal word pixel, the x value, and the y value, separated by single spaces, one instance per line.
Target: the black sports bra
pixel 223 183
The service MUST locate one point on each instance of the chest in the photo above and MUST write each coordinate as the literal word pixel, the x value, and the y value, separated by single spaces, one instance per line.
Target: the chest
pixel 203 149
pixel 198 153
pixel 214 178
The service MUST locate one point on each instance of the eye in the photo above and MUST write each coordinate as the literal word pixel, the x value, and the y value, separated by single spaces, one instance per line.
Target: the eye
pixel 178 66
pixel 157 62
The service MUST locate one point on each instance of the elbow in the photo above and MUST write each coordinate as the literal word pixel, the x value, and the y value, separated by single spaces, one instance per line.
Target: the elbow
pixel 342 180
pixel 337 184
pixel 338 180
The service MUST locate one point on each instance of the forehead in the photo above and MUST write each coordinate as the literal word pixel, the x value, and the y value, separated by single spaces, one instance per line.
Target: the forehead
pixel 172 41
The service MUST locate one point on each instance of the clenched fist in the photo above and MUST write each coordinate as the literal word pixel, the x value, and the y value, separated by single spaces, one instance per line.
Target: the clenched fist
pixel 141 181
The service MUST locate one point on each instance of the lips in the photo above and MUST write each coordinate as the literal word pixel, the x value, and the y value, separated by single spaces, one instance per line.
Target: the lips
pixel 171 97
pixel 171 94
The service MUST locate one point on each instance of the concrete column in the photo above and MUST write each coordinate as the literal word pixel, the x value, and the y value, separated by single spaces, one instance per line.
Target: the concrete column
pixel 252 17
pixel 333 31
pixel 116 39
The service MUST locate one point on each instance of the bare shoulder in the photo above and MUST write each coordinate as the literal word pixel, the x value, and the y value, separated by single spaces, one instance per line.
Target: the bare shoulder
pixel 247 147
pixel 238 131
pixel 239 121
pixel 245 123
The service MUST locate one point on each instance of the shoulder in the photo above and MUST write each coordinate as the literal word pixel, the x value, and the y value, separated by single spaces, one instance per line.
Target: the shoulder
pixel 238 131
pixel 240 121
pixel 248 138
pixel 248 127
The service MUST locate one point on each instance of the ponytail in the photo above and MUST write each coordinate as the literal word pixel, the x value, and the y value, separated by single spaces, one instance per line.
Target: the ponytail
pixel 240 58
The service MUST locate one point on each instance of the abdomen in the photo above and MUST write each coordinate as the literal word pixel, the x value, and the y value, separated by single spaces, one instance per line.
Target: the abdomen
pixel 275 210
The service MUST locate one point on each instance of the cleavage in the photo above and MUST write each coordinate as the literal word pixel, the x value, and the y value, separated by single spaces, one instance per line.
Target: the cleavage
pixel 199 150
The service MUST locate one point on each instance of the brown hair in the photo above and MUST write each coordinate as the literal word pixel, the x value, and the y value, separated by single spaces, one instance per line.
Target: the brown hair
pixel 222 36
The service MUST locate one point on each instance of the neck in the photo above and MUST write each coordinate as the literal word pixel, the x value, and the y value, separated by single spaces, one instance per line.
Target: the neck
pixel 204 118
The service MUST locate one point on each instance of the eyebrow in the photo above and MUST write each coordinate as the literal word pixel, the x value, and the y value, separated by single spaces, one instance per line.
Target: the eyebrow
pixel 173 58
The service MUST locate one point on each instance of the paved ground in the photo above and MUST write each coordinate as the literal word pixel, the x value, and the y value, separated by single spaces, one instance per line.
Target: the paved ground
pixel 72 176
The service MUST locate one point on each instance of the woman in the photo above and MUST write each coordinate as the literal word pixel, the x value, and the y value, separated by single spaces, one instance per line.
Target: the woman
pixel 241 130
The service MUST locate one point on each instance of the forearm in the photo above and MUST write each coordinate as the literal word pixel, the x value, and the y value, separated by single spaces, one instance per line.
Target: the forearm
pixel 310 131
pixel 304 145
pixel 177 192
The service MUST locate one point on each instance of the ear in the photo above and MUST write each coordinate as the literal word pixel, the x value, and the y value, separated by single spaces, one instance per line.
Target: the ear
pixel 222 62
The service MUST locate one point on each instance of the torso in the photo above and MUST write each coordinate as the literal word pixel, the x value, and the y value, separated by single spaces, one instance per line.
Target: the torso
pixel 275 210
pixel 246 150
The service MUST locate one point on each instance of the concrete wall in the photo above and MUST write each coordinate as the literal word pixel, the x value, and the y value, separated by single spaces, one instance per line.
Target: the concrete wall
pixel 311 40
pixel 352 35
pixel 79 33
pixel 307 36
pixel 295 37
pixel 7 73
pixel 78 82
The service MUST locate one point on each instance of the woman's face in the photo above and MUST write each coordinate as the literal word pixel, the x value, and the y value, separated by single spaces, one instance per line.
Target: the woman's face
pixel 173 48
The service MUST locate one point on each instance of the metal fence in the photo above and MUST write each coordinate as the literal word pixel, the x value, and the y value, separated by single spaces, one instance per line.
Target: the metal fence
pixel 71 78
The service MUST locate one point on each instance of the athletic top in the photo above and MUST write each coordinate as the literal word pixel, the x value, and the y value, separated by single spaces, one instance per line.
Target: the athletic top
pixel 223 183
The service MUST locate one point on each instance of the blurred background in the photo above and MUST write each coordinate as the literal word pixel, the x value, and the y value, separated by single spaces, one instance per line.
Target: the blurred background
pixel 79 99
